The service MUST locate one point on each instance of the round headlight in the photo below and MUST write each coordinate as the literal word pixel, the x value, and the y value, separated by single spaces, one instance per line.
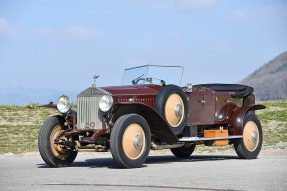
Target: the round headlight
pixel 64 104
pixel 106 102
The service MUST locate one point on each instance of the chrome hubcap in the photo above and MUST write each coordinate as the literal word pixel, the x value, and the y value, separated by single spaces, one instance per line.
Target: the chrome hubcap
pixel 254 136
pixel 138 142
pixel 178 110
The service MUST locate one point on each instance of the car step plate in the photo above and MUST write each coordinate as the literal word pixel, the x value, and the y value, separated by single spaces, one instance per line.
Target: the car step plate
pixel 191 139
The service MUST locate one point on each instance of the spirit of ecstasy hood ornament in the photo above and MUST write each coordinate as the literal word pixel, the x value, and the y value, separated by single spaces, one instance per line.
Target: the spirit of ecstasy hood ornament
pixel 95 78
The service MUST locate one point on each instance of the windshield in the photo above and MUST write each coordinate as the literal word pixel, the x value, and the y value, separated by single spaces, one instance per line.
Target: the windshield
pixel 153 74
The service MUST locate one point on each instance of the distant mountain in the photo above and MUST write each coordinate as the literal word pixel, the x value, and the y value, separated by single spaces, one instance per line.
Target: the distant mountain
pixel 24 96
pixel 270 80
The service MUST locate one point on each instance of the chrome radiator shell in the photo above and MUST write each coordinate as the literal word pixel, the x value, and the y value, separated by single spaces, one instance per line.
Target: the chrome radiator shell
pixel 89 115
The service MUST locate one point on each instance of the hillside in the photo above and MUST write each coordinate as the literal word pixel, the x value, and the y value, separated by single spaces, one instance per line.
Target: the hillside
pixel 270 80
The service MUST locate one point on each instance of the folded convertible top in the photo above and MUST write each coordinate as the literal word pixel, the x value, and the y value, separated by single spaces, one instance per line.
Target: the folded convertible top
pixel 244 91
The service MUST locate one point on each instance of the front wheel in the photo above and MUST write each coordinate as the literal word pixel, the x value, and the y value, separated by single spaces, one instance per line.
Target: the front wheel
pixel 130 141
pixel 54 155
pixel 249 146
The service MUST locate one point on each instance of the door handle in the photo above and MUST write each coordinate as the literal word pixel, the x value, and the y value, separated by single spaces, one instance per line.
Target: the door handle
pixel 202 101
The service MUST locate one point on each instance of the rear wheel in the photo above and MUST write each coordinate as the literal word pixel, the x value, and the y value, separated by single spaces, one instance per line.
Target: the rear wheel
pixel 54 155
pixel 249 146
pixel 130 141
pixel 184 151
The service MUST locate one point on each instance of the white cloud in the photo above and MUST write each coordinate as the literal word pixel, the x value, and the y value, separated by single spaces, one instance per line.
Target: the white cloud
pixel 9 31
pixel 273 21
pixel 176 4
pixel 238 15
pixel 73 33
pixel 263 14
pixel 69 33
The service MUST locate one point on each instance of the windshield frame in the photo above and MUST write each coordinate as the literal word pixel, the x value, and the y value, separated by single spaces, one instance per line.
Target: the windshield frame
pixel 147 72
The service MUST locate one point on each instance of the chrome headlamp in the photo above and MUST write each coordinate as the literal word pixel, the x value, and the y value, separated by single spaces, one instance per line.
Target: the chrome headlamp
pixel 64 104
pixel 106 102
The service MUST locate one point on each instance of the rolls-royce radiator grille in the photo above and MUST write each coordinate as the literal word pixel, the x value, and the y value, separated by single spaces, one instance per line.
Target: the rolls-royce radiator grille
pixel 89 115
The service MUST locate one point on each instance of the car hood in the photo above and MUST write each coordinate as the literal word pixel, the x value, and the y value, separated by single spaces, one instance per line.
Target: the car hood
pixel 133 90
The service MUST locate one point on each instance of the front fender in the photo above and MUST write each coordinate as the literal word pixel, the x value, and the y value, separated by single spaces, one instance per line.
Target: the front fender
pixel 71 115
pixel 158 126
pixel 237 117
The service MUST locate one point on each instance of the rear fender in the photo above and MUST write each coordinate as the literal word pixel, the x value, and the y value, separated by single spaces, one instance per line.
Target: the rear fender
pixel 237 117
pixel 158 126
pixel 68 117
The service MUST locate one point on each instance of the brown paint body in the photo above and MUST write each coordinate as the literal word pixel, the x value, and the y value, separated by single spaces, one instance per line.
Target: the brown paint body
pixel 144 94
pixel 206 107
pixel 140 99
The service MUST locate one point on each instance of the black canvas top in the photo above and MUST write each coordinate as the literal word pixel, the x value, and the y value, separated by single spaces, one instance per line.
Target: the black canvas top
pixel 244 91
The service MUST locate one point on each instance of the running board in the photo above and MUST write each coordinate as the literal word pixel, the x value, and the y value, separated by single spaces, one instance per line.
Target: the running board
pixel 191 139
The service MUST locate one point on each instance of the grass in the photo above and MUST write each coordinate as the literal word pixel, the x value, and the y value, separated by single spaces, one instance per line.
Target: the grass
pixel 20 125
pixel 274 123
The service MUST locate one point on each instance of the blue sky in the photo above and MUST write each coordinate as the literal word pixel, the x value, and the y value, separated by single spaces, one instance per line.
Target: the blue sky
pixel 62 44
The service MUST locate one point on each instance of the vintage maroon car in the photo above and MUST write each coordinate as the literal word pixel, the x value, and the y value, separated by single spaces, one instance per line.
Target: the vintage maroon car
pixel 151 111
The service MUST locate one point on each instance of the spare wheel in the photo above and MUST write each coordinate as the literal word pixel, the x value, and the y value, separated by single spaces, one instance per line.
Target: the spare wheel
pixel 171 104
